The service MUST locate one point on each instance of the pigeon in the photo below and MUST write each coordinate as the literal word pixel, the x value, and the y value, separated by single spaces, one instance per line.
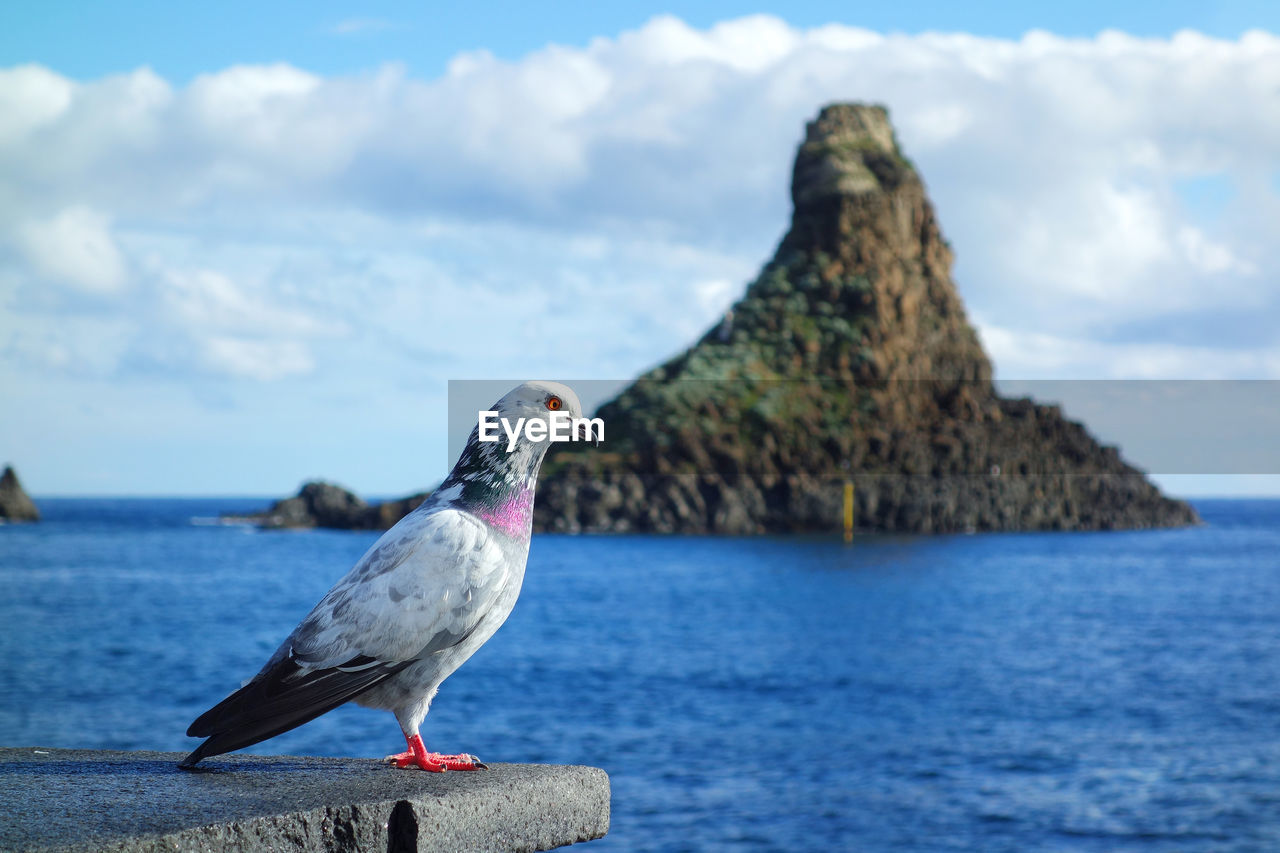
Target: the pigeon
pixel 420 602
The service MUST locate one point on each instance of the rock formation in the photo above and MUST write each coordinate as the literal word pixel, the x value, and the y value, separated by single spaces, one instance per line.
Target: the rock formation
pixel 15 505
pixel 848 359
pixel 320 504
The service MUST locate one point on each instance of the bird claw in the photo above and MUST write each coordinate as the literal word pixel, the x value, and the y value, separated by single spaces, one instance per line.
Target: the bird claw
pixel 408 759
pixel 434 762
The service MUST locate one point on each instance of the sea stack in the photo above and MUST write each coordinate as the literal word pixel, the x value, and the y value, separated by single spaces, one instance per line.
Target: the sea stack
pixel 15 505
pixel 849 359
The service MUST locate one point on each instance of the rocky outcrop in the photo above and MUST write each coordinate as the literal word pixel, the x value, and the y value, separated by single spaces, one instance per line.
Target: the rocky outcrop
pixel 848 359
pixel 320 504
pixel 15 505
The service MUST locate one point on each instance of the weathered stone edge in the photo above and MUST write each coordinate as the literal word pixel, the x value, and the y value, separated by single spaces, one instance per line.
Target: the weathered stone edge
pixel 462 821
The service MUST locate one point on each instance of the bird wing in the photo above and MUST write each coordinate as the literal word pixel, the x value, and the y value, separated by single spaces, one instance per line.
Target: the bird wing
pixel 422 588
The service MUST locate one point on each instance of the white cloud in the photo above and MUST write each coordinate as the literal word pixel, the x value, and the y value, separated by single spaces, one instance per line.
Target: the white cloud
pixel 75 248
pixel 1209 257
pixel 261 360
pixel 209 300
pixel 602 190
pixel 358 26
pixel 259 100
pixel 30 97
pixel 236 322
pixel 77 346
pixel 1044 356
pixel 750 44
pixel 716 294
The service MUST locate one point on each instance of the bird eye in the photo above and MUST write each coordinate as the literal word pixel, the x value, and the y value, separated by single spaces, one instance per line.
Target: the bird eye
pixel 554 403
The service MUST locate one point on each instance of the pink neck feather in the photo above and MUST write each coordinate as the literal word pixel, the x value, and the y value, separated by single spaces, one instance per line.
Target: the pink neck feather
pixel 513 516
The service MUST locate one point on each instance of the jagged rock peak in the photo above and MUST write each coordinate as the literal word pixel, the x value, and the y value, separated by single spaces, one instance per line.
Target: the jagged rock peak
pixel 849 149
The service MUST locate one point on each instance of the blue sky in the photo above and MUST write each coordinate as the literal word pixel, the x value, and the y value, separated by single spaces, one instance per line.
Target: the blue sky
pixel 181 40
pixel 243 246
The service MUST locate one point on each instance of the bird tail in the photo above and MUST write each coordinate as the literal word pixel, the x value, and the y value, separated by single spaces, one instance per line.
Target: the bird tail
pixel 230 725
pixel 277 700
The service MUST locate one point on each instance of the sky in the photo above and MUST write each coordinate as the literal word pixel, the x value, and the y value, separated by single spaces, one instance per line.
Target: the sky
pixel 242 246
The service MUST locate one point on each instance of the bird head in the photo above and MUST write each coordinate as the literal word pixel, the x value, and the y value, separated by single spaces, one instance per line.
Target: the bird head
pixel 532 416
pixel 538 400
pixel 505 462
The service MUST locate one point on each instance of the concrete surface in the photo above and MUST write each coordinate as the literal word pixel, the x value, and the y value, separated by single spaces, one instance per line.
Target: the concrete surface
pixel 82 800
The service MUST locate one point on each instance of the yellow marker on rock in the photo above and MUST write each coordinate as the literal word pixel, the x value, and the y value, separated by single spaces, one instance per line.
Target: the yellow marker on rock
pixel 848 511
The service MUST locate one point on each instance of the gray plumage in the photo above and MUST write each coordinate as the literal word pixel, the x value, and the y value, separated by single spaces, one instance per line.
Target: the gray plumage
pixel 420 602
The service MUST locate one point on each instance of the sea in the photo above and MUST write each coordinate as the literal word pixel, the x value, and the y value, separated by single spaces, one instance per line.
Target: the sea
pixel 992 692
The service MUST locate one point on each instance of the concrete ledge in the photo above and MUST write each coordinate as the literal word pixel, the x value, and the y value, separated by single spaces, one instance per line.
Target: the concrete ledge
pixel 83 800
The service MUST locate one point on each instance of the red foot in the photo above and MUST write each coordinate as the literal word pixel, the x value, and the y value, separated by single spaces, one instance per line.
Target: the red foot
pixel 417 756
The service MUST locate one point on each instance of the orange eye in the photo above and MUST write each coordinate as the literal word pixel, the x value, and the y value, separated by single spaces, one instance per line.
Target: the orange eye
pixel 555 404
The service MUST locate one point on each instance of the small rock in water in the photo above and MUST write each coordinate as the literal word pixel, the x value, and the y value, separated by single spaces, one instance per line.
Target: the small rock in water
pixel 15 505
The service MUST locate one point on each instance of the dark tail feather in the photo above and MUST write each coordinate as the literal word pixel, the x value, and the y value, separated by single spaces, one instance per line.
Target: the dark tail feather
pixel 241 736
pixel 277 701
pixel 194 758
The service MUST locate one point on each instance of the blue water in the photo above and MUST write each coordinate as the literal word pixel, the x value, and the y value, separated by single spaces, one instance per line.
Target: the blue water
pixel 1098 692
